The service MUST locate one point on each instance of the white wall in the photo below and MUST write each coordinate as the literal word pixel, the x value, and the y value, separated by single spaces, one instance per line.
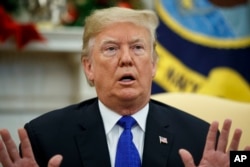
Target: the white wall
pixel 33 82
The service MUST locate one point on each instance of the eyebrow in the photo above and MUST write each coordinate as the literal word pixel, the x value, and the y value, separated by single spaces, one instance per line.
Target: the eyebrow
pixel 112 40
pixel 108 40
pixel 135 40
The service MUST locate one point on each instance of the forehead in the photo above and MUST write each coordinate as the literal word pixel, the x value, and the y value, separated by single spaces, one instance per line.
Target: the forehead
pixel 123 31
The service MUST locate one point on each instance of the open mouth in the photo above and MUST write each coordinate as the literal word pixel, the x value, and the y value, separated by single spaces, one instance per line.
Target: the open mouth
pixel 127 78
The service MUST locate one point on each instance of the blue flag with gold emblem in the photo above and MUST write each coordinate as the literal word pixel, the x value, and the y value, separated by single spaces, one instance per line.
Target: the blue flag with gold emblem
pixel 203 48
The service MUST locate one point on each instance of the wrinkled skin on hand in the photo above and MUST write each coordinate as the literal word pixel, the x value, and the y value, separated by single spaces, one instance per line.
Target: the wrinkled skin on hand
pixel 215 156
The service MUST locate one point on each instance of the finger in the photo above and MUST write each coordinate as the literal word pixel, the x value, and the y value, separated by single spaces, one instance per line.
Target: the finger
pixel 4 156
pixel 55 161
pixel 25 144
pixel 235 140
pixel 211 136
pixel 223 139
pixel 187 158
pixel 10 145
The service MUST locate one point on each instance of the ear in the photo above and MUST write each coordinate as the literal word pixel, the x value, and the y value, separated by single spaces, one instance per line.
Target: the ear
pixel 154 64
pixel 154 68
pixel 88 69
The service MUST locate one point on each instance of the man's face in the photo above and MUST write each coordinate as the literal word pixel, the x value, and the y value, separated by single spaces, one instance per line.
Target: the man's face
pixel 121 64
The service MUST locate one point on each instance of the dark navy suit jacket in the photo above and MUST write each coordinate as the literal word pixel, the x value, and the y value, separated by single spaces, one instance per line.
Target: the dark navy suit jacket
pixel 77 133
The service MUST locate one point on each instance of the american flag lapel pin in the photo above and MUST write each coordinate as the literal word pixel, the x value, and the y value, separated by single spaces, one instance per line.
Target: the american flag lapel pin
pixel 163 140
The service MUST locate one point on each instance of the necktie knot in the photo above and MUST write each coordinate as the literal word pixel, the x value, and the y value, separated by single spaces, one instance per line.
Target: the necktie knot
pixel 127 122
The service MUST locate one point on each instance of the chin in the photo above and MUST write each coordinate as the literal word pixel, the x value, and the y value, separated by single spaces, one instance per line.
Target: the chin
pixel 130 94
pixel 127 94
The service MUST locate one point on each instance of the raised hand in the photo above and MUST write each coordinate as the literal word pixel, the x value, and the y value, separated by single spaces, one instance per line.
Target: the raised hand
pixel 215 156
pixel 9 154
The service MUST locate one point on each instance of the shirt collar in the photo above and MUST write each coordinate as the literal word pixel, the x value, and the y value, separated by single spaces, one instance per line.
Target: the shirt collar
pixel 110 117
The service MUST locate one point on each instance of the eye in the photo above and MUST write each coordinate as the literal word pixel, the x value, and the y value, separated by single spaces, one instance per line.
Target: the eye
pixel 110 50
pixel 138 49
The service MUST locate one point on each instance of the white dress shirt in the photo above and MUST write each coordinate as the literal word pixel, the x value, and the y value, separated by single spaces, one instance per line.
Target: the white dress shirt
pixel 114 131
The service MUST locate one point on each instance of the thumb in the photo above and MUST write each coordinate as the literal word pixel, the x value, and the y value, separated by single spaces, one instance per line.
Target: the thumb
pixel 247 148
pixel 55 161
pixel 187 158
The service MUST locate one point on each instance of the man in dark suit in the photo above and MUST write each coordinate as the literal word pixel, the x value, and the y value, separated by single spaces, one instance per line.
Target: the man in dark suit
pixel 119 59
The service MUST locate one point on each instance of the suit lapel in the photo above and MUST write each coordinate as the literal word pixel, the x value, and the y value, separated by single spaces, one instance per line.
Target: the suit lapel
pixel 91 141
pixel 156 153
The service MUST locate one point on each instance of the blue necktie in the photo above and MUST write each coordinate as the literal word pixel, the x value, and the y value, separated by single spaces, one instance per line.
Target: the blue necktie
pixel 127 155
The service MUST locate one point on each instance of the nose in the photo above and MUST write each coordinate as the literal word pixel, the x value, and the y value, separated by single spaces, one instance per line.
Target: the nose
pixel 125 58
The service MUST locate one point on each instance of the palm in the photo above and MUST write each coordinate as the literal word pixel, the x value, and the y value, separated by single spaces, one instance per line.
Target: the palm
pixel 214 159
pixel 25 162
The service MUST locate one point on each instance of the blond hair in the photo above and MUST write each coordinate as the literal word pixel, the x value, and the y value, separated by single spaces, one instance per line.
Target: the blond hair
pixel 100 19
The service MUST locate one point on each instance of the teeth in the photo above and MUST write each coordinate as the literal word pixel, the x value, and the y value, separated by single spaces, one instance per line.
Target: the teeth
pixel 126 80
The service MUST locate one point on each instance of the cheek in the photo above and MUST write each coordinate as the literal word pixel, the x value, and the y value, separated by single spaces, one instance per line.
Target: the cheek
pixel 104 69
pixel 146 74
pixel 147 67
